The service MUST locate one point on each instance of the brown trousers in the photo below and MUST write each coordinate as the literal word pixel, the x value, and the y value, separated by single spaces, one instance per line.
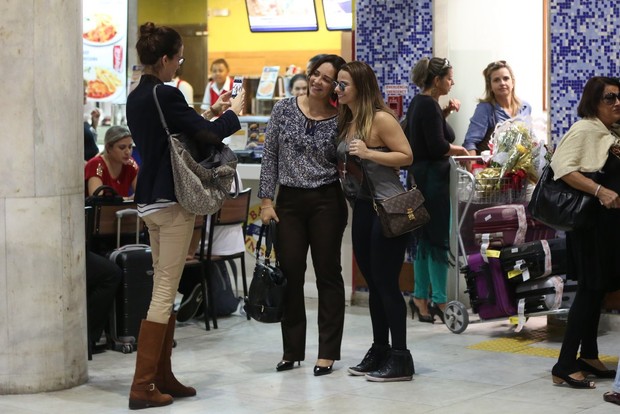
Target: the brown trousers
pixel 315 219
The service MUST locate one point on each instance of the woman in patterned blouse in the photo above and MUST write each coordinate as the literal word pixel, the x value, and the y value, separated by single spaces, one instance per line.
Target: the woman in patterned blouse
pixel 300 157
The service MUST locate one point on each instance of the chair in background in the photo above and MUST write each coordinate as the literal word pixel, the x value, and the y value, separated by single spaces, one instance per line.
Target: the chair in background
pixel 198 265
pixel 234 211
pixel 102 233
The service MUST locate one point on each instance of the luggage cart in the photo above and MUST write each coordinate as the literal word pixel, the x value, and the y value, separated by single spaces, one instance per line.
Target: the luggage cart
pixel 468 195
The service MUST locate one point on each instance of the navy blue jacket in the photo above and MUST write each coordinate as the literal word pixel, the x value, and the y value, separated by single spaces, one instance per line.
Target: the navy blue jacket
pixel 155 176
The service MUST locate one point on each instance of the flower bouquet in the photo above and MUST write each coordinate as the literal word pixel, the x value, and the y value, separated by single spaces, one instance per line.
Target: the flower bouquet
pixel 515 158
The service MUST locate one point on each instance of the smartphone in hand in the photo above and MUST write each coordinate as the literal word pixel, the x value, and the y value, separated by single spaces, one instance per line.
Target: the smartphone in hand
pixel 237 85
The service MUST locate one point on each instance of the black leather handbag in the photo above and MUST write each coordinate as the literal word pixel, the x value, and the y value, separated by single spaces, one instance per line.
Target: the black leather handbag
pixel 265 299
pixel 561 206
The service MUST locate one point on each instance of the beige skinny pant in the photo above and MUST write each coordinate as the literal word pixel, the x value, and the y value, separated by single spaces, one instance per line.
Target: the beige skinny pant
pixel 170 231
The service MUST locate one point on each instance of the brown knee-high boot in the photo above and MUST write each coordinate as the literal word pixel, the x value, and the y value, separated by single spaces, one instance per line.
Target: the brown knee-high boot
pixel 165 379
pixel 144 392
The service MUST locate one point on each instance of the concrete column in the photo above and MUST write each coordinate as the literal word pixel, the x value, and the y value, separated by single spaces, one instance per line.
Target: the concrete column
pixel 43 345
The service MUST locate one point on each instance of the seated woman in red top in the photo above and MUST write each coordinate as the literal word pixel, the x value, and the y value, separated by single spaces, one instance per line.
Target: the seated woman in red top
pixel 114 166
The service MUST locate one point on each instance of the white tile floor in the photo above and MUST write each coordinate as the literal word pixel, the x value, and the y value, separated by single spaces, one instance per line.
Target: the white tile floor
pixel 233 369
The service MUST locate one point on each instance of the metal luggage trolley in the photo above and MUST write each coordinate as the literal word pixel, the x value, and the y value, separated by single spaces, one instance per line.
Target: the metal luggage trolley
pixel 468 195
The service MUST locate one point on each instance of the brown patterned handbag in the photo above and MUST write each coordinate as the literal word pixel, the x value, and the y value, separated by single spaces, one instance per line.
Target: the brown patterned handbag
pixel 202 181
pixel 399 211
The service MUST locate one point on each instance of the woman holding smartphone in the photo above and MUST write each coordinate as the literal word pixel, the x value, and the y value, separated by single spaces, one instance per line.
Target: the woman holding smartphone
pixel 160 50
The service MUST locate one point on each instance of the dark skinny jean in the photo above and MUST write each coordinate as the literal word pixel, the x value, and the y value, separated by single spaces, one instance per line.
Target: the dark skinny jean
pixel 380 260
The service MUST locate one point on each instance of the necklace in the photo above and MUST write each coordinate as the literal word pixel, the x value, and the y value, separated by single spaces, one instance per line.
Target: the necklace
pixel 343 172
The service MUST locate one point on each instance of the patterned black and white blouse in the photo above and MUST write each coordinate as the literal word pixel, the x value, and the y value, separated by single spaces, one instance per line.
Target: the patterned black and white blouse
pixel 299 152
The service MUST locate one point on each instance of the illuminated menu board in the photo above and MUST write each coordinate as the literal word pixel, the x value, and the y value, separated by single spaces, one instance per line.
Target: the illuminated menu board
pixel 104 36
pixel 338 14
pixel 281 15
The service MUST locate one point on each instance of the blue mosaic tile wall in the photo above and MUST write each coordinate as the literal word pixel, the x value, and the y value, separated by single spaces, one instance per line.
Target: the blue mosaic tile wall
pixel 585 41
pixel 391 36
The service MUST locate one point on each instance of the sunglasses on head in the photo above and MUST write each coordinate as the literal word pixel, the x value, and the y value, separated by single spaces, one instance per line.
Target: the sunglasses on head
pixel 610 98
pixel 498 64
pixel 435 72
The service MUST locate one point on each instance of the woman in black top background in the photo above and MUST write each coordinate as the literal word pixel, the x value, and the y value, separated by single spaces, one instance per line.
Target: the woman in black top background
pixel 160 50
pixel 431 141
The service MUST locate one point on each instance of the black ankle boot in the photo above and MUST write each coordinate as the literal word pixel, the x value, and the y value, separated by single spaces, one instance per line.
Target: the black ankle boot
pixel 374 359
pixel 398 367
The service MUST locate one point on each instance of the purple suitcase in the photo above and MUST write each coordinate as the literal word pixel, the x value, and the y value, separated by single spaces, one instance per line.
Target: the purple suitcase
pixel 507 225
pixel 490 294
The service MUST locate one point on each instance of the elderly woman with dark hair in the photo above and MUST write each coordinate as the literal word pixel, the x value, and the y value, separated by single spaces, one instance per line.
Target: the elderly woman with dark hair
pixel 588 159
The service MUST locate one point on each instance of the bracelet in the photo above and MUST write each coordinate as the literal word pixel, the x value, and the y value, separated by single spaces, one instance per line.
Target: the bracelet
pixel 597 190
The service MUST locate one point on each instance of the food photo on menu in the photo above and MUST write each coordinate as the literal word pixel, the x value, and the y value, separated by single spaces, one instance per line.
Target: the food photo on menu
pixel 101 82
pixel 99 28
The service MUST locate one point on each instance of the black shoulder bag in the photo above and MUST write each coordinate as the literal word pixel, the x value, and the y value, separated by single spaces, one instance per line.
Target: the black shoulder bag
pixel 561 206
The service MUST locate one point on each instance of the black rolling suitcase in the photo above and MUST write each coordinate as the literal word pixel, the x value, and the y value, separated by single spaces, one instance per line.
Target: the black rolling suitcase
pixel 533 260
pixel 546 294
pixel 134 294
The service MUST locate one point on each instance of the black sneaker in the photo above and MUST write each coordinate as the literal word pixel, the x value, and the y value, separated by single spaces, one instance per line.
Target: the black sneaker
pixel 374 359
pixel 190 305
pixel 398 367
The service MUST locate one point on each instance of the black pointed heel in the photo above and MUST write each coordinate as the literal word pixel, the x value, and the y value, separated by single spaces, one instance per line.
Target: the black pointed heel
pixel 561 377
pixel 318 371
pixel 426 318
pixel 286 365
pixel 435 310
pixel 413 307
pixel 586 368
pixel 421 318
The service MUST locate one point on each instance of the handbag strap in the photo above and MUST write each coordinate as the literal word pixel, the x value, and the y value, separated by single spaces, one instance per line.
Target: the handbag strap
pixel 269 231
pixel 371 185
pixel 161 114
